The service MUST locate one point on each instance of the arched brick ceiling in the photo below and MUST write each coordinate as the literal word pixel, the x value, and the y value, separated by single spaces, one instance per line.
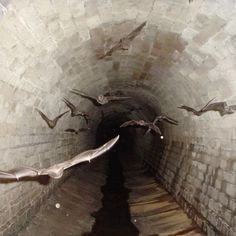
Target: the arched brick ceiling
pixel 185 54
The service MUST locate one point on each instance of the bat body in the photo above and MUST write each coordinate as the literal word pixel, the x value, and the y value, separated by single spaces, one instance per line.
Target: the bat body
pixel 123 43
pixel 56 171
pixel 77 131
pixel 142 123
pixel 220 107
pixel 75 111
pixel 100 99
pixel 51 123
pixel 71 131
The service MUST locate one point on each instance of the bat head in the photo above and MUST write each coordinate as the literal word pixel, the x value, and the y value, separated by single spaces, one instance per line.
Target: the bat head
pixel 141 122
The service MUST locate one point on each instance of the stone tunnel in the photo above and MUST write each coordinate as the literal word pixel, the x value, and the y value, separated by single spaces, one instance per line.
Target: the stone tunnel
pixel 184 184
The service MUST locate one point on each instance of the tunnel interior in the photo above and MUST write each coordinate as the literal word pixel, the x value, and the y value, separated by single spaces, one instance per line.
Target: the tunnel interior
pixel 184 55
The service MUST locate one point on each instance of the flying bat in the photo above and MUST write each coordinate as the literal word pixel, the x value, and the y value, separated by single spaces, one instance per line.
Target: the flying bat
pixel 77 131
pixel 142 123
pixel 75 111
pixel 100 99
pixel 123 43
pixel 220 107
pixel 71 131
pixel 51 123
pixel 56 171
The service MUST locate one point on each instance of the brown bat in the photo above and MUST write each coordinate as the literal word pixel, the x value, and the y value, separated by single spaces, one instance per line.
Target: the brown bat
pixel 75 111
pixel 100 99
pixel 77 131
pixel 142 123
pixel 123 43
pixel 71 131
pixel 220 107
pixel 51 123
pixel 56 171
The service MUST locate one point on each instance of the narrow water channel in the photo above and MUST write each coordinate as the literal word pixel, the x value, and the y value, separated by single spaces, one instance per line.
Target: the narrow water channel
pixel 113 219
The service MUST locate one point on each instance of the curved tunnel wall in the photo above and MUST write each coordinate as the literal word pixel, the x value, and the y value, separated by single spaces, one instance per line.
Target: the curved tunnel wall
pixel 185 54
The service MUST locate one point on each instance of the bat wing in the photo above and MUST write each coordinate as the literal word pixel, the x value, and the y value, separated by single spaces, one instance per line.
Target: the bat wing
pixel 84 95
pixel 50 123
pixel 136 31
pixel 58 117
pixel 91 154
pixel 187 108
pixel 110 51
pixel 44 117
pixel 62 114
pixel 156 129
pixel 167 119
pixel 70 130
pixel 216 106
pixel 56 171
pixel 206 106
pixel 116 98
pixel 69 104
pixel 130 123
pixel 18 173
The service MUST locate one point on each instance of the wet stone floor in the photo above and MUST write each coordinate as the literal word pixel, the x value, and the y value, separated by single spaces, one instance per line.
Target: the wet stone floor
pixel 113 219
pixel 112 196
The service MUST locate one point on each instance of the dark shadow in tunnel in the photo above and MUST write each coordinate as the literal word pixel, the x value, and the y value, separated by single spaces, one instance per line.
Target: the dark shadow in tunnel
pixel 113 219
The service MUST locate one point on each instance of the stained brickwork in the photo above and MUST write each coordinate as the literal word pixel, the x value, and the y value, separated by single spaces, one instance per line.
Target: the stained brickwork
pixel 185 54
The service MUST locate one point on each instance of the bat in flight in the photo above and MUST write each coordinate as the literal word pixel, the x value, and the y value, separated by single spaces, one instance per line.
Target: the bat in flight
pixel 56 171
pixel 76 131
pixel 151 125
pixel 100 99
pixel 142 123
pixel 51 123
pixel 220 107
pixel 71 131
pixel 75 111
pixel 123 43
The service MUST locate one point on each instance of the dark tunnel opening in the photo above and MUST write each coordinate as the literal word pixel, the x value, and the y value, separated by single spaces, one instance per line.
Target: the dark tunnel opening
pixel 113 218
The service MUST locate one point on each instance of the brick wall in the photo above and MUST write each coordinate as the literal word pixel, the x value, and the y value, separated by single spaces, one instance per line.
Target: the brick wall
pixel 185 54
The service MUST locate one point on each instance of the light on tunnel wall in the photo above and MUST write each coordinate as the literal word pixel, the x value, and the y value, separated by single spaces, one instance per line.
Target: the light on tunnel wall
pixel 161 137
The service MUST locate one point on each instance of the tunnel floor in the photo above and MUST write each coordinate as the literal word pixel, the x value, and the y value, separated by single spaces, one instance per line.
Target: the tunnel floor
pixel 114 216
pixel 122 200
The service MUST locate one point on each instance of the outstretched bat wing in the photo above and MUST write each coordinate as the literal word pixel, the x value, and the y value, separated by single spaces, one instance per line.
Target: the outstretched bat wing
pixel 187 108
pixel 216 106
pixel 69 104
pixel 62 114
pixel 56 171
pixel 167 119
pixel 84 95
pixel 135 32
pixel 130 123
pixel 205 108
pixel 156 129
pixel 42 115
pixel 91 154
pixel 18 173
